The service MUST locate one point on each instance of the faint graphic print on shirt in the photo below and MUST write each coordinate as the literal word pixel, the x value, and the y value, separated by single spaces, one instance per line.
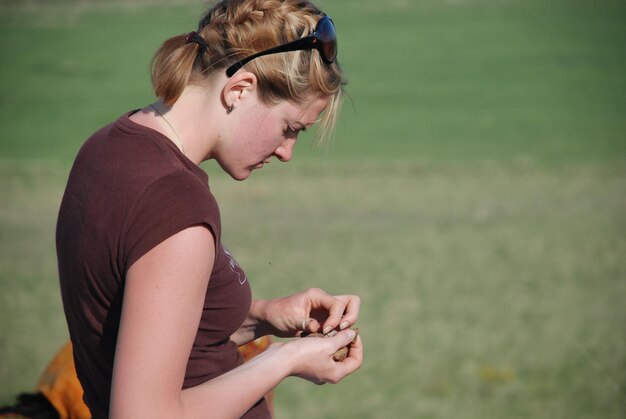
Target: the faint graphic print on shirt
pixel 234 266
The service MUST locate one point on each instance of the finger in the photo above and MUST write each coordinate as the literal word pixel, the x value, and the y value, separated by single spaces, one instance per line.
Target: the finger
pixel 355 356
pixel 349 364
pixel 335 314
pixel 308 325
pixel 343 339
pixel 333 308
pixel 302 324
pixel 351 313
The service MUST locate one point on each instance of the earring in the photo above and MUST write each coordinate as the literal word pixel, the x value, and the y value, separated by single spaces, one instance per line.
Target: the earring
pixel 229 109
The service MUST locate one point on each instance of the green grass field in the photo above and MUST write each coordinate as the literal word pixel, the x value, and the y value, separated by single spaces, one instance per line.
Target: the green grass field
pixel 474 196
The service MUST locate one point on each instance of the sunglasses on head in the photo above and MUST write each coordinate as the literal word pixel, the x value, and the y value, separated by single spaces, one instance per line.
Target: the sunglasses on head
pixel 323 39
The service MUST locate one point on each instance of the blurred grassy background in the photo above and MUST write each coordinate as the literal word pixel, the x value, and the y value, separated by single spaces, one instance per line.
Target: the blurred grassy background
pixel 474 197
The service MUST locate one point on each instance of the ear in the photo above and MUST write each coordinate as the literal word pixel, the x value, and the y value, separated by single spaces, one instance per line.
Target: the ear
pixel 240 86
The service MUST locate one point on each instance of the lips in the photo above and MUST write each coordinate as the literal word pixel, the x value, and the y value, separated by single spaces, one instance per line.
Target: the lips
pixel 260 164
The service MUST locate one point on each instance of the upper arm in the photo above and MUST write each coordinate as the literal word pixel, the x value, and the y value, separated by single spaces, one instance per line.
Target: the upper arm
pixel 163 299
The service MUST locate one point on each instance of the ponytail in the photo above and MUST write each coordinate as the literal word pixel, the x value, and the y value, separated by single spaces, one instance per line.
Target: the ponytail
pixel 172 67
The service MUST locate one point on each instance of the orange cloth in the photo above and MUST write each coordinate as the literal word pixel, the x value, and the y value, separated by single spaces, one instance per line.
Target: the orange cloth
pixel 60 385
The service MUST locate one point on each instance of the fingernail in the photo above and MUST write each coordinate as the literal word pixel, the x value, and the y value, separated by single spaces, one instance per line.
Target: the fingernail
pixel 344 325
pixel 327 329
pixel 331 333
pixel 352 334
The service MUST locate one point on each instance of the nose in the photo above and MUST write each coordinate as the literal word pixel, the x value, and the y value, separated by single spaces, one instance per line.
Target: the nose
pixel 285 150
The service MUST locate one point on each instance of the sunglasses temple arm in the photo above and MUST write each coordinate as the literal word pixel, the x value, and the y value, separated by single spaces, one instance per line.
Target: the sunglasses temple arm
pixel 298 44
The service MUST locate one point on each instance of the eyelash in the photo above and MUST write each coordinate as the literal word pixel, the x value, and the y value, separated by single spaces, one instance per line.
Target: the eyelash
pixel 290 129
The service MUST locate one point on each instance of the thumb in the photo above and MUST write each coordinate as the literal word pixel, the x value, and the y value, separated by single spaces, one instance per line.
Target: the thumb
pixel 309 325
pixel 344 338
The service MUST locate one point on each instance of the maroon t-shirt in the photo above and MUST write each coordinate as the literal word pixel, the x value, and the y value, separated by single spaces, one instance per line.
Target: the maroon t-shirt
pixel 129 189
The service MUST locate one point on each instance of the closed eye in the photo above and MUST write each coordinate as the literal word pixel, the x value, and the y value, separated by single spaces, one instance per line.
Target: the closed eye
pixel 290 131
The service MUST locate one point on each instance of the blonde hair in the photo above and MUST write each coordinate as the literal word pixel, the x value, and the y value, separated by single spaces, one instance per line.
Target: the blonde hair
pixel 235 29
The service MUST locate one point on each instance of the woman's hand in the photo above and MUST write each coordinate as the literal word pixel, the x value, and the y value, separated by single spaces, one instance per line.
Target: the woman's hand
pixel 312 310
pixel 311 358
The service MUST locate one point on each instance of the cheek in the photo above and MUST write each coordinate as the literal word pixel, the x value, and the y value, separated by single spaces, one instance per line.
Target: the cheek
pixel 262 135
pixel 269 136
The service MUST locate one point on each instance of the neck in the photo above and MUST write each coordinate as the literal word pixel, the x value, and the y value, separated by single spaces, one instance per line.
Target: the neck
pixel 193 121
pixel 177 140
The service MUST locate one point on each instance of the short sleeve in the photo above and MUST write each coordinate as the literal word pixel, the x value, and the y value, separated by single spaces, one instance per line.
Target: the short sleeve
pixel 169 205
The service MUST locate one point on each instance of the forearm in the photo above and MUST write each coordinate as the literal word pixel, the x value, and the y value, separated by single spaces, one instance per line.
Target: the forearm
pixel 235 392
pixel 232 394
pixel 255 325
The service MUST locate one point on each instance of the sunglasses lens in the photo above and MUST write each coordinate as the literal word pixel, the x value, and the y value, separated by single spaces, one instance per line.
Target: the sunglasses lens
pixel 328 36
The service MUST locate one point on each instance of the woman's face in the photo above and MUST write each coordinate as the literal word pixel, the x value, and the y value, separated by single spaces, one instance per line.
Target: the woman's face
pixel 257 132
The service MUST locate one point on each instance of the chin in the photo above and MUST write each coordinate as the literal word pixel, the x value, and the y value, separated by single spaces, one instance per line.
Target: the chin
pixel 240 175
pixel 236 174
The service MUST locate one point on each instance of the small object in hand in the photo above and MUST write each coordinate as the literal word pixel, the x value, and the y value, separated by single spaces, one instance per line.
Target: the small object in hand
pixel 341 353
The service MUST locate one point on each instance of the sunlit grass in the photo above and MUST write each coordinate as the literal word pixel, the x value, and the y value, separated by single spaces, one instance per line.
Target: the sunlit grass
pixel 485 288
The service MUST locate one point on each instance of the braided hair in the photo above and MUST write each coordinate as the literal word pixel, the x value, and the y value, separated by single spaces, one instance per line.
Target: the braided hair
pixel 235 29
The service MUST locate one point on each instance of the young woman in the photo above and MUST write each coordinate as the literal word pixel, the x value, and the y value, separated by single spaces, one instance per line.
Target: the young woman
pixel 156 306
